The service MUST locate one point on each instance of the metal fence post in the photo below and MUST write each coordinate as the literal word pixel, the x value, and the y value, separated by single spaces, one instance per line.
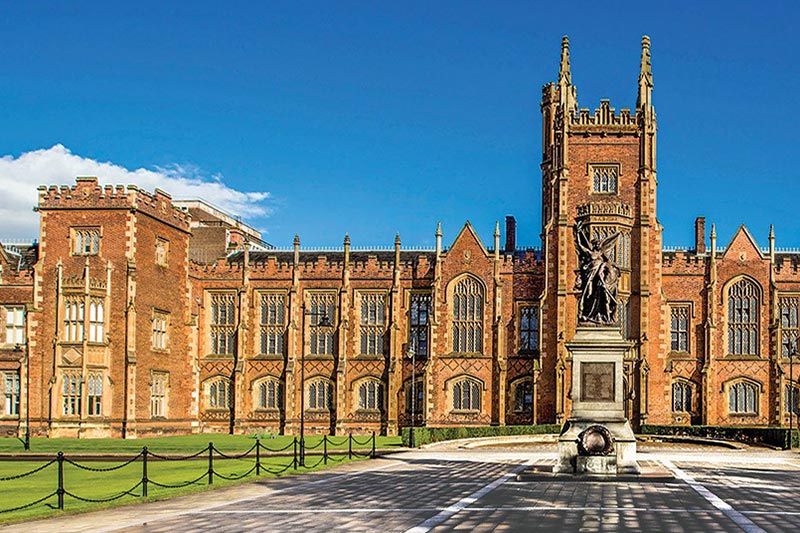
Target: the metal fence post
pixel 373 445
pixel 144 472
pixel 294 460
pixel 258 456
pixel 60 490
pixel 350 445
pixel 325 449
pixel 210 463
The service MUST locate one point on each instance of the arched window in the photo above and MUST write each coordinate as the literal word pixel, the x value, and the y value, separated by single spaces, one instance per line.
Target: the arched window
pixel 466 395
pixel 681 397
pixel 743 398
pixel 523 396
pixel 370 395
pixel 95 394
pixel 72 393
pixel 219 394
pixel 96 321
pixel 743 318
pixel 320 395
pixel 468 316
pixel 268 394
pixel 791 397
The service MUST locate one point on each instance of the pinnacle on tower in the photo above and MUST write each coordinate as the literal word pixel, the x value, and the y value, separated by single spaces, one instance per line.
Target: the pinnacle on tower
pixel 645 76
pixel 564 74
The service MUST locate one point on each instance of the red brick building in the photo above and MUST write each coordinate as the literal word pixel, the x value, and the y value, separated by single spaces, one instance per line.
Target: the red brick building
pixel 138 315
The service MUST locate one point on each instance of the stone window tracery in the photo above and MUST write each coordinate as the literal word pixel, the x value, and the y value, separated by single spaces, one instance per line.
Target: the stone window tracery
pixel 95 394
pixel 523 396
pixel 679 328
pixel 96 320
pixel 743 398
pixel 74 307
pixel 373 323
pixel 158 394
pixel 419 321
pixel 681 397
pixel 219 393
pixel 370 395
pixel 466 395
pixel 787 307
pixel 223 311
pixel 743 318
pixel 71 392
pixel 529 329
pixel 269 392
pixel 321 338
pixel 320 395
pixel 11 393
pixel 604 178
pixel 85 241
pixel 468 316
pixel 273 323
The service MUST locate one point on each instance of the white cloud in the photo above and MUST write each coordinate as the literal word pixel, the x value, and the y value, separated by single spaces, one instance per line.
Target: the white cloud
pixel 20 177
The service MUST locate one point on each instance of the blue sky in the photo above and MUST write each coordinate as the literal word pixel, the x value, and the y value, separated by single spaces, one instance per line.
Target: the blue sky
pixel 378 117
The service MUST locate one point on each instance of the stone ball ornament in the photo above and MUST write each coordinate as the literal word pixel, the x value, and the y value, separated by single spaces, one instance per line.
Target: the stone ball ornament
pixel 595 440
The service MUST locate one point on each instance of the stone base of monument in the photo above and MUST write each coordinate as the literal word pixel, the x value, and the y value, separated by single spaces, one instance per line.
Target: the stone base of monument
pixel 608 457
pixel 597 438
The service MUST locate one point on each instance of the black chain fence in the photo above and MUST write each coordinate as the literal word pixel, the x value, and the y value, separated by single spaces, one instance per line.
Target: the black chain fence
pixel 296 451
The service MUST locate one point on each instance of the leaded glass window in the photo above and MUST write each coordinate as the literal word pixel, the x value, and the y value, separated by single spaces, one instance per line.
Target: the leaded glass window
pixel 97 321
pixel 466 395
pixel 15 324
pixel 223 312
pixel 158 395
pixel 468 316
pixel 604 178
pixel 85 241
pixel 791 395
pixel 742 398
pixel 73 318
pixel 321 338
pixel 11 393
pixel 788 316
pixel 268 394
pixel 679 329
pixel 523 396
pixel 419 321
pixel 373 323
pixel 159 325
pixel 528 329
pixel 219 394
pixel 273 323
pixel 370 395
pixel 71 392
pixel 95 394
pixel 320 395
pixel 743 318
pixel 681 397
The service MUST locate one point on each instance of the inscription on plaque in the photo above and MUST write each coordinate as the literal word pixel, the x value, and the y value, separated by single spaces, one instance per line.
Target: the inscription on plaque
pixel 597 382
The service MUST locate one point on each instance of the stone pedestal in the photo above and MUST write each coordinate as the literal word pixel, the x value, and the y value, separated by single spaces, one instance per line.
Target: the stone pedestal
pixel 597 400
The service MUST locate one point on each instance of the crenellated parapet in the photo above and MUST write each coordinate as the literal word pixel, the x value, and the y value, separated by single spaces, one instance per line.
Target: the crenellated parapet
pixel 87 193
pixel 684 262
pixel 604 118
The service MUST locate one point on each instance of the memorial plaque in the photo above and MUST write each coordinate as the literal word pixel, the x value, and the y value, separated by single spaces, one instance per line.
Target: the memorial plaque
pixel 597 382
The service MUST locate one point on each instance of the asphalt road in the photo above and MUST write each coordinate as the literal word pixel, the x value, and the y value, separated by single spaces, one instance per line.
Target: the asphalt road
pixel 477 490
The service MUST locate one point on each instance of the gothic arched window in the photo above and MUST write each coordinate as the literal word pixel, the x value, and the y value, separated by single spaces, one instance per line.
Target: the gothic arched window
pixel 268 394
pixel 681 397
pixel 523 396
pixel 743 398
pixel 743 318
pixel 466 395
pixel 370 395
pixel 219 396
pixel 468 316
pixel 320 395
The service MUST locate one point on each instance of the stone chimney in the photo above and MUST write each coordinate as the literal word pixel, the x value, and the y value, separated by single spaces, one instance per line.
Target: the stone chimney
pixel 511 233
pixel 700 235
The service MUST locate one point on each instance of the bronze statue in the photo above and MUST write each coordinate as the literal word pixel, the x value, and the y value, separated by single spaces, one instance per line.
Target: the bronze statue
pixel 597 279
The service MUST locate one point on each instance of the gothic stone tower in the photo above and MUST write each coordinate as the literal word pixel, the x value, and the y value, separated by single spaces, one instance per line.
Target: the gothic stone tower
pixel 600 169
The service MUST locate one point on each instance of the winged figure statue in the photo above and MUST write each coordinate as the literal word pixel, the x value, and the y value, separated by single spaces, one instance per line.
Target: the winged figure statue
pixel 598 278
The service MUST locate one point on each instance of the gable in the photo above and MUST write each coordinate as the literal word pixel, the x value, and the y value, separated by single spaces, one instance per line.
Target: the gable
pixel 468 243
pixel 743 246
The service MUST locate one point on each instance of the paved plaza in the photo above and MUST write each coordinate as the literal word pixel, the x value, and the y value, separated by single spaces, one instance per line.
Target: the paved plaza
pixel 443 489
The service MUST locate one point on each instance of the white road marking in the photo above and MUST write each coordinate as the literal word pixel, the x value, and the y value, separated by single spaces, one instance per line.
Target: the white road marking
pixel 738 518
pixel 449 511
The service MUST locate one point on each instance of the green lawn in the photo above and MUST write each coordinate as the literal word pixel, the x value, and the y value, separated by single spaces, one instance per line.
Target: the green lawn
pixel 191 473
pixel 183 444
